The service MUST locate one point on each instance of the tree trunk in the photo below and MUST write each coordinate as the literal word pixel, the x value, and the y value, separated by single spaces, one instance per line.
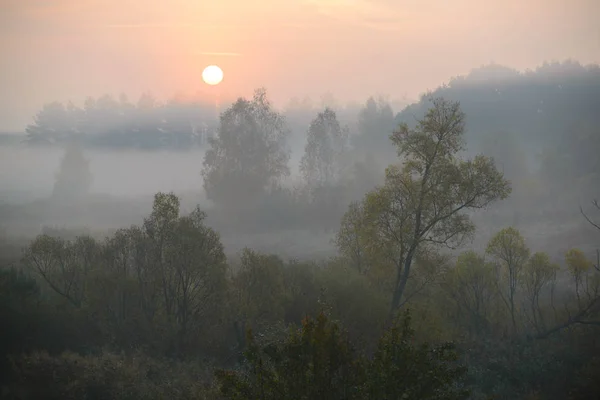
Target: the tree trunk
pixel 512 311
pixel 240 333
pixel 401 280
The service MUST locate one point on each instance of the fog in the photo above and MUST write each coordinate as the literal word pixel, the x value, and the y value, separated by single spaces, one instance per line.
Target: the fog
pixel 29 173
pixel 520 119
pixel 124 183
pixel 61 50
pixel 138 226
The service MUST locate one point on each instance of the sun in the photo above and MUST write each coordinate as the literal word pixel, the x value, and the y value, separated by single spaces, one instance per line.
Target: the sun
pixel 212 75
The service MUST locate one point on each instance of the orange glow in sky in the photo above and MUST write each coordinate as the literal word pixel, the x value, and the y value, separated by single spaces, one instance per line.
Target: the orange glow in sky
pixel 69 49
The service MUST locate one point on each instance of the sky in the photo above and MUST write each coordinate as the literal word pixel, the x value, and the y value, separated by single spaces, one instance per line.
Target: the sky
pixel 66 50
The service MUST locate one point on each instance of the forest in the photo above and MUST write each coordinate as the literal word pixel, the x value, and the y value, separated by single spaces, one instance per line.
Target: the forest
pixel 446 251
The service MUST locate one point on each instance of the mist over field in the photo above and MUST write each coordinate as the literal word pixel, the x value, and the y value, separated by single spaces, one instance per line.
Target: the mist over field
pixel 519 119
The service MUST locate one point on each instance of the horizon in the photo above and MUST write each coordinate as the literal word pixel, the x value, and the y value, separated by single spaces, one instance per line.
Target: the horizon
pixel 60 50
pixel 204 97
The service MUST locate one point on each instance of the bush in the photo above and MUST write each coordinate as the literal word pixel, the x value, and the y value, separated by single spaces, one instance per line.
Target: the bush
pixel 107 376
pixel 317 361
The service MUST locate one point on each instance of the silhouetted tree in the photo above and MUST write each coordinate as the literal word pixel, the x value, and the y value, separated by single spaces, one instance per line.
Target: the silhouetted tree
pixel 249 154
pixel 74 177
pixel 326 143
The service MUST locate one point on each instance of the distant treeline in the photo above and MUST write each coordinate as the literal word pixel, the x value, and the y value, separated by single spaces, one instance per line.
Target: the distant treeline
pixel 106 122
pixel 543 108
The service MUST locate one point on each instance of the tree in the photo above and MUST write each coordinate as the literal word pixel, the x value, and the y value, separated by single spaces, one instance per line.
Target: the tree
pixel 249 153
pixel 55 123
pixel 596 225
pixel 63 265
pixel 317 361
pixel 470 284
pixel 74 177
pixel 509 249
pixel 349 239
pixel 258 292
pixel 402 369
pixel 537 274
pixel 578 266
pixel 187 261
pixel 375 124
pixel 198 261
pixel 164 280
pixel 423 201
pixel 326 143
pixel 582 271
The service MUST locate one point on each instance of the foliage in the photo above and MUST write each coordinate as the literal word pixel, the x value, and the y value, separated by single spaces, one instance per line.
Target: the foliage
pixel 355 302
pixel 403 370
pixel 422 202
pixel 349 239
pixel 471 287
pixel 18 294
pixel 316 361
pixel 538 273
pixel 259 287
pixel 509 249
pixel 249 155
pixel 326 143
pixel 578 265
pixel 168 275
pixel 163 291
pixel 107 376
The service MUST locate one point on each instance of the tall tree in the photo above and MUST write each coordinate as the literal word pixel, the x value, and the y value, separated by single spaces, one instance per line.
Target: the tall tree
pixel 470 285
pixel 537 274
pixel 349 240
pixel 509 249
pixel 375 124
pixel 249 153
pixel 326 142
pixel 423 200
pixel 578 266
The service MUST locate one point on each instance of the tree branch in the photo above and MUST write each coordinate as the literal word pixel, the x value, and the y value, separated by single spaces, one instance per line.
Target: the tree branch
pixel 577 319
pixel 595 225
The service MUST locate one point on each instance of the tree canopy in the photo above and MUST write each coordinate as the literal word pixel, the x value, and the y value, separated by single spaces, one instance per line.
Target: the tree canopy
pixel 423 201
pixel 249 154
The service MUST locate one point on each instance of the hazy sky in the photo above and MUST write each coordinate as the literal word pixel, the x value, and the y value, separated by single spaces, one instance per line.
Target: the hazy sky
pixel 68 49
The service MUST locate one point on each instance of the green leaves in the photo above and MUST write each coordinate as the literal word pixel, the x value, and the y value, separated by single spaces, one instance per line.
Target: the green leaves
pixel 577 263
pixel 509 249
pixel 317 362
pixel 259 287
pixel 423 200
pixel 169 274
pixel 402 369
pixel 508 246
